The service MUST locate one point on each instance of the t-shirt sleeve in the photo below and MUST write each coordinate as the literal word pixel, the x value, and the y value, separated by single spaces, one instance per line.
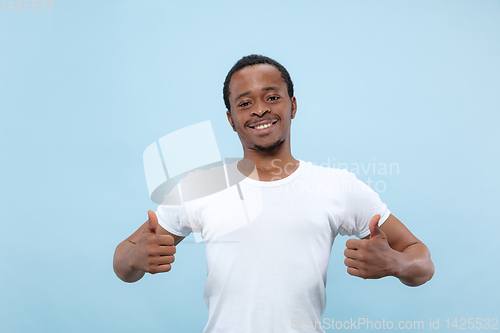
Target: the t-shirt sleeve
pixel 361 204
pixel 174 219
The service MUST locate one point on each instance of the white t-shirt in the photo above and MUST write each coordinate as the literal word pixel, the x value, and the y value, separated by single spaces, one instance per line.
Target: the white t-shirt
pixel 267 272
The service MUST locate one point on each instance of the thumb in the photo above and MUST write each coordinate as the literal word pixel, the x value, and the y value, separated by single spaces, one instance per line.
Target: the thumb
pixel 375 231
pixel 153 221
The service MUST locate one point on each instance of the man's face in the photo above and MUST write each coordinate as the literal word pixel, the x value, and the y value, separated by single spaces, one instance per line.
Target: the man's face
pixel 261 110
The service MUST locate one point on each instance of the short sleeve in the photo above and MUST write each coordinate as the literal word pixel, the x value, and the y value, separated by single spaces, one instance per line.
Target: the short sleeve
pixel 361 204
pixel 174 219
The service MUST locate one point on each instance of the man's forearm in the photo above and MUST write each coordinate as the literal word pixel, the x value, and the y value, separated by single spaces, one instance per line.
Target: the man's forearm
pixel 121 264
pixel 415 265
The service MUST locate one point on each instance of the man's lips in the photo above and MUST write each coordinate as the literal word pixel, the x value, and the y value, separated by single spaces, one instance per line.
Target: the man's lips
pixel 263 128
pixel 263 122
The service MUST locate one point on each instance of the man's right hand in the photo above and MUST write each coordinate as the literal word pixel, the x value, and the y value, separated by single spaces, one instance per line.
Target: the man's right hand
pixel 153 253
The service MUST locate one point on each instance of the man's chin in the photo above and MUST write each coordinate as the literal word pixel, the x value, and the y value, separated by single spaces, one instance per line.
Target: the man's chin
pixel 269 147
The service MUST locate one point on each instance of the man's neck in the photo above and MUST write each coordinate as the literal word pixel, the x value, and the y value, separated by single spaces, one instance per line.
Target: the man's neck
pixel 268 166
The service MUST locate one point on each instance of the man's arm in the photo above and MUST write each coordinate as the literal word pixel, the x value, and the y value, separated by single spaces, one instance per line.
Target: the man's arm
pixel 149 249
pixel 390 250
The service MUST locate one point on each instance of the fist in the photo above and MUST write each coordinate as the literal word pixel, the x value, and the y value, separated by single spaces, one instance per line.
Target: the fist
pixel 153 253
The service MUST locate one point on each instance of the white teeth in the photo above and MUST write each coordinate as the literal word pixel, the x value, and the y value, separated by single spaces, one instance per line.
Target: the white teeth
pixel 263 126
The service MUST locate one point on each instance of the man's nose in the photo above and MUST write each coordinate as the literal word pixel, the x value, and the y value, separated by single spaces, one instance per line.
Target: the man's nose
pixel 261 109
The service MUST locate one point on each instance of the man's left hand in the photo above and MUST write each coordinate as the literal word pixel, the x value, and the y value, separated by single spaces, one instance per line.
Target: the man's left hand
pixel 371 258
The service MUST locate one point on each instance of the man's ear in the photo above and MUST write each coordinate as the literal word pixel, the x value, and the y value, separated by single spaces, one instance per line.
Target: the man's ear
pixel 294 106
pixel 230 119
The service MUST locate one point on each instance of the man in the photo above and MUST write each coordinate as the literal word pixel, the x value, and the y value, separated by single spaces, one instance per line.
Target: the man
pixel 270 274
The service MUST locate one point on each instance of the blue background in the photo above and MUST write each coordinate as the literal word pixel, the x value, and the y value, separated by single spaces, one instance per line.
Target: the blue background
pixel 86 88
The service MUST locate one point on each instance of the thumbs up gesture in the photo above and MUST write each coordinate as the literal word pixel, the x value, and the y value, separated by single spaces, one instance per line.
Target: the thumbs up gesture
pixel 370 258
pixel 153 253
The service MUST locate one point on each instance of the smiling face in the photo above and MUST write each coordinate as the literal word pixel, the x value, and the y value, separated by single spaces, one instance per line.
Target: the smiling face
pixel 261 110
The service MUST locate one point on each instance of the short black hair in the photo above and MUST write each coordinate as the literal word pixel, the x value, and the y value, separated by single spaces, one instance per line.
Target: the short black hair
pixel 251 60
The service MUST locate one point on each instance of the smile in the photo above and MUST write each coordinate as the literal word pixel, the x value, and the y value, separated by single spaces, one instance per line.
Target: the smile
pixel 263 127
pixel 263 124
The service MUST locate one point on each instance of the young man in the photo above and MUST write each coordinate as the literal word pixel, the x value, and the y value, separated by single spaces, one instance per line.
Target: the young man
pixel 270 274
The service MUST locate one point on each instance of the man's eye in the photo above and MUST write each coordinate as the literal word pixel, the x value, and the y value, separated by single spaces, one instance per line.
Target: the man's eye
pixel 273 98
pixel 243 104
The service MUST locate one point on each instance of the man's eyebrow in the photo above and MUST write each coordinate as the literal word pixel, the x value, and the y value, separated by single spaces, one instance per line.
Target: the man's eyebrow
pixel 242 95
pixel 270 88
